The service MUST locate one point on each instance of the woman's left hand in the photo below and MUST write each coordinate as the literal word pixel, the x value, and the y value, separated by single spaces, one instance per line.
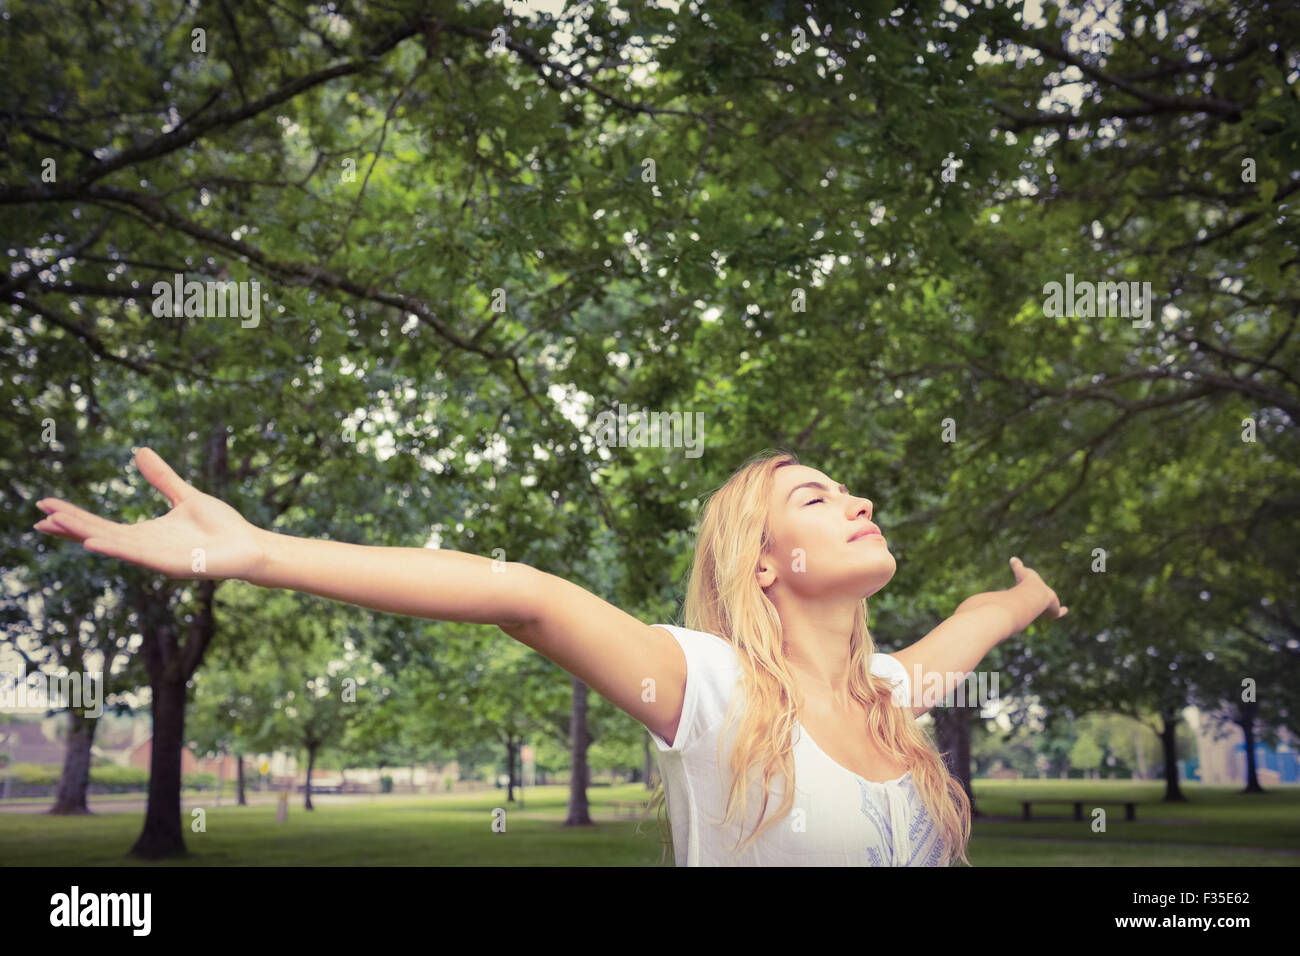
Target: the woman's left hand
pixel 1053 609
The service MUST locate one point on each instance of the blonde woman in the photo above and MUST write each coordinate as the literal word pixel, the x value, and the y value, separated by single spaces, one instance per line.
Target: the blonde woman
pixel 771 696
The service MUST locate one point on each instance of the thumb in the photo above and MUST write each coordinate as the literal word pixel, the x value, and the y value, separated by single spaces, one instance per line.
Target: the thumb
pixel 162 477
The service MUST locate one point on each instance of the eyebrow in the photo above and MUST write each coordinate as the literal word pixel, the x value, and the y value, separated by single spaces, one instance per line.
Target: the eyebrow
pixel 813 484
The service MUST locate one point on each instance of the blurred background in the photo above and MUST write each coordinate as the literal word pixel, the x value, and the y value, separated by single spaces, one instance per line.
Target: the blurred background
pixel 529 281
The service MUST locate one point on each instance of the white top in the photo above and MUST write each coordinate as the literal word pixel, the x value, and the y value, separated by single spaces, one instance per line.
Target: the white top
pixel 838 818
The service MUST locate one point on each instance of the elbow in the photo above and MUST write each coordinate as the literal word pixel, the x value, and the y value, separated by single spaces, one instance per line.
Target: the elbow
pixel 521 601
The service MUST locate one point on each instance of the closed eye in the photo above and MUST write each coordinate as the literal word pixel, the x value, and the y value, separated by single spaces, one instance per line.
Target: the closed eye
pixel 813 502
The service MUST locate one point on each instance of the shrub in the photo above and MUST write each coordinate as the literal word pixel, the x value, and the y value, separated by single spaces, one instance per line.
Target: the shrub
pixel 199 781
pixel 35 774
pixel 117 779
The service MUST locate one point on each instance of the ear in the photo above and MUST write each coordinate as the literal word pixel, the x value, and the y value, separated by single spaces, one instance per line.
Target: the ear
pixel 765 572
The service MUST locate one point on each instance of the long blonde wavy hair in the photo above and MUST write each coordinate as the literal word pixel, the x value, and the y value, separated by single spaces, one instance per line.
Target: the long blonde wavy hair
pixel 724 598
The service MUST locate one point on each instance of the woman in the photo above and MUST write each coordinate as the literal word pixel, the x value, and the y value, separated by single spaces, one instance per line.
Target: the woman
pixel 776 635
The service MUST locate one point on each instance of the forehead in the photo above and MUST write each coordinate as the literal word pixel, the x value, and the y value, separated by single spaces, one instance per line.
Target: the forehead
pixel 789 476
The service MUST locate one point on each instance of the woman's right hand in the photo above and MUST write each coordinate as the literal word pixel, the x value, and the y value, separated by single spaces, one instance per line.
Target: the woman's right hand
pixel 201 537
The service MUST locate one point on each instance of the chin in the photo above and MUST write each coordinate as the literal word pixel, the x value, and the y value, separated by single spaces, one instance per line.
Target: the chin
pixel 879 580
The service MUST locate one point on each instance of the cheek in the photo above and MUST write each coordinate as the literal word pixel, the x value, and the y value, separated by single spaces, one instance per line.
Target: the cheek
pixel 829 546
pixel 793 543
pixel 810 538
pixel 811 534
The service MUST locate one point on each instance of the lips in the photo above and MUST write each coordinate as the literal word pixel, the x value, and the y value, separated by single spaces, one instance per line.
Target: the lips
pixel 870 529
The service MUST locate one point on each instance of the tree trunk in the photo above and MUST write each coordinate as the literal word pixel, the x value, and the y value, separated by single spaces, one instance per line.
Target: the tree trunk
pixel 1246 720
pixel 162 836
pixel 311 762
pixel 650 766
pixel 1168 741
pixel 579 812
pixel 510 768
pixel 242 799
pixel 952 734
pixel 70 797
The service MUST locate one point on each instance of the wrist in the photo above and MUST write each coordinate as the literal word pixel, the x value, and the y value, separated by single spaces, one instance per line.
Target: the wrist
pixel 1029 598
pixel 266 545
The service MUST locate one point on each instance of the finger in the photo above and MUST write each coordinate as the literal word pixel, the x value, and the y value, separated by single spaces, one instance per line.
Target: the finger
pixel 82 523
pixel 161 476
pixel 50 526
pixel 78 519
pixel 1064 611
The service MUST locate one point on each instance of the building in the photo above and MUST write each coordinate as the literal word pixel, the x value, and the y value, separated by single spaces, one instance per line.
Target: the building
pixel 1221 760
pixel 31 741
pixel 128 742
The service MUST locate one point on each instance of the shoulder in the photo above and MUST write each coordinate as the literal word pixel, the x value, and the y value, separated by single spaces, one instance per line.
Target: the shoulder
pixel 890 668
pixel 886 665
pixel 704 649
pixel 712 672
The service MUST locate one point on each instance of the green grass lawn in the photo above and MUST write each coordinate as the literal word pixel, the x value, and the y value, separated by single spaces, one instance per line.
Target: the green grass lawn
pixel 1217 827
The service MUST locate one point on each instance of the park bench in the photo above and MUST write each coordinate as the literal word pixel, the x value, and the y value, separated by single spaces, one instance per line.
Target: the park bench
pixel 1130 807
pixel 319 788
pixel 631 808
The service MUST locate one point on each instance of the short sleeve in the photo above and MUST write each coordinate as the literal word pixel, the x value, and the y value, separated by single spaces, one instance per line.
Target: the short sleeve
pixel 890 668
pixel 711 673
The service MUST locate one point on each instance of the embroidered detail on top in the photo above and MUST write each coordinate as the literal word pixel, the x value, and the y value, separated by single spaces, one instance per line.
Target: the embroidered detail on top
pixel 930 840
pixel 881 823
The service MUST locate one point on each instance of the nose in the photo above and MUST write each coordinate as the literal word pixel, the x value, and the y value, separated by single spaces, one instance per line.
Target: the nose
pixel 859 505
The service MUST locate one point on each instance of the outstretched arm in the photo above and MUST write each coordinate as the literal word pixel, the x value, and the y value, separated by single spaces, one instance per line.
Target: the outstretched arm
pixel 418 582
pixel 980 623
pixel 202 537
pixel 600 644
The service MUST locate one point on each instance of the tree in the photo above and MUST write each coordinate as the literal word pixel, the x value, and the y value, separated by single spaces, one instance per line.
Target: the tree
pixel 1086 754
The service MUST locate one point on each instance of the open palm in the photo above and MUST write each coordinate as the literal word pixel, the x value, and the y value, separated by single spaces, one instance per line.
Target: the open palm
pixel 201 537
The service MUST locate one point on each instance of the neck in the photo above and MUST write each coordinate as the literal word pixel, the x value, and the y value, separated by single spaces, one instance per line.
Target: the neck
pixel 815 640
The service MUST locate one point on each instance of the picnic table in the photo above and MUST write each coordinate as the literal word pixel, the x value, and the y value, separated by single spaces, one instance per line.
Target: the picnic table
pixel 322 788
